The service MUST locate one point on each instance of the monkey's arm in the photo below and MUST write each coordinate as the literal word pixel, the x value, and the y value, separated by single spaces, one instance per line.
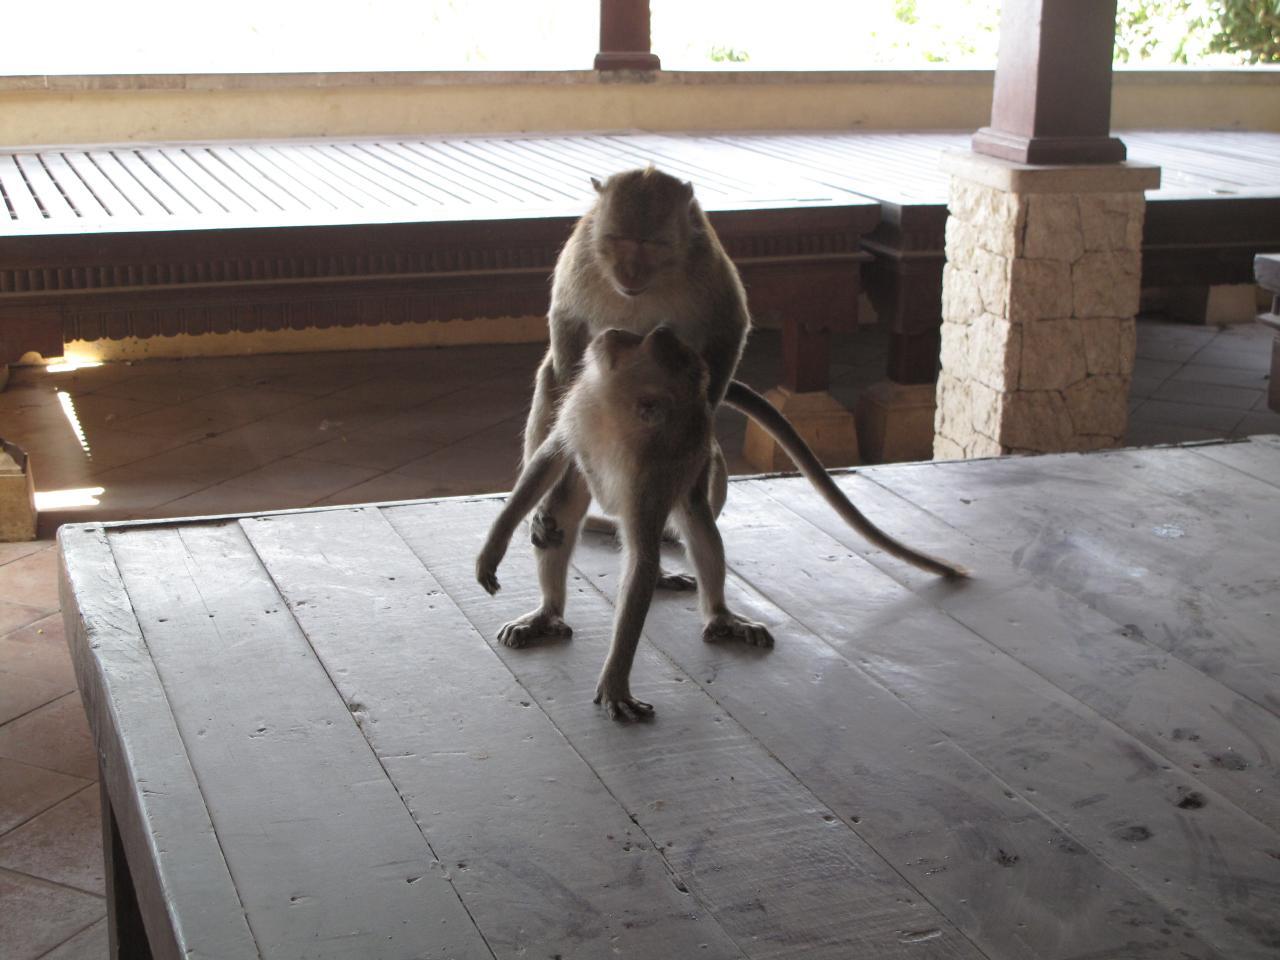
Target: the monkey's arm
pixel 744 399
pixel 539 475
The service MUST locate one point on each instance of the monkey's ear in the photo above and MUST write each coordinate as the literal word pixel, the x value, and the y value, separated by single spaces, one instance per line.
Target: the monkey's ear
pixel 613 341
pixel 598 185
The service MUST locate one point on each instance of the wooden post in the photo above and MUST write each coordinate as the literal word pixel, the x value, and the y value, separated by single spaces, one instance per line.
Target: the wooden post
pixel 624 36
pixel 1052 102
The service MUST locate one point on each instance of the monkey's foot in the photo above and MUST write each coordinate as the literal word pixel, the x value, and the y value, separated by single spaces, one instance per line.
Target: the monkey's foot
pixel 730 626
pixel 535 625
pixel 545 532
pixel 676 581
pixel 620 704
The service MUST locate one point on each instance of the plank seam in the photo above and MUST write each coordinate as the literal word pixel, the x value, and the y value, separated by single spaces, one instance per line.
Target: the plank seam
pixel 778 760
pixel 1106 721
pixel 359 727
pixel 1141 638
pixel 653 843
pixel 185 749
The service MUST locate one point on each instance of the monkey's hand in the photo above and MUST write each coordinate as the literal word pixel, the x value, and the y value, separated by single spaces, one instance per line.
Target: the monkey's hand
pixel 487 568
pixel 618 701
pixel 730 626
pixel 535 625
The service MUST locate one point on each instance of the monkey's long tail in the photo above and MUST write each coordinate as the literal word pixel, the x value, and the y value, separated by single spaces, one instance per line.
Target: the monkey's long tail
pixel 744 399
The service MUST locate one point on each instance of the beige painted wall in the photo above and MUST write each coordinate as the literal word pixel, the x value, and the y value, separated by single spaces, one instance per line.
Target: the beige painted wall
pixel 54 110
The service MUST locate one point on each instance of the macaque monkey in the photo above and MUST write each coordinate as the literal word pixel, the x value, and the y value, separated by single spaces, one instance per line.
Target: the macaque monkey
pixel 636 425
pixel 645 255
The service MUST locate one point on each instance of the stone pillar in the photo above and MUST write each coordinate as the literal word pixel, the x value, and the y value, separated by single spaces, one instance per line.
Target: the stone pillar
pixel 1039 295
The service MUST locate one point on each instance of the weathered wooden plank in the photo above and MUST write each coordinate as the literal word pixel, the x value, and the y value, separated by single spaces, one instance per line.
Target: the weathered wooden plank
pixel 435 188
pixel 188 900
pixel 327 860
pixel 974 845
pixel 423 156
pixel 122 178
pixel 1184 845
pixel 189 175
pixel 774 864
pixel 18 196
pixel 85 202
pixel 322 179
pixel 52 200
pixel 171 200
pixel 516 816
pixel 369 177
pixel 1138 536
pixel 1210 732
pixel 254 178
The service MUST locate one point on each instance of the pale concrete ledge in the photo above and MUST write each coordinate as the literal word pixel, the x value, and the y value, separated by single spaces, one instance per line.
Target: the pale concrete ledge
pixel 1028 178
pixel 1124 76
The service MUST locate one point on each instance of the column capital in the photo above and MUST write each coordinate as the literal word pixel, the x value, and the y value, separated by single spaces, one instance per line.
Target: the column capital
pixel 1026 178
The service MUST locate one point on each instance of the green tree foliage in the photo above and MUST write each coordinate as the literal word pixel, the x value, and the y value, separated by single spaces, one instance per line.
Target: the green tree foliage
pixel 1198 31
pixel 1249 29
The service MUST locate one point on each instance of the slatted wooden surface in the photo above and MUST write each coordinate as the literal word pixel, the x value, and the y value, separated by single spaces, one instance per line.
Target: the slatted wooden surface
pixel 210 185
pixel 323 753
pixel 902 167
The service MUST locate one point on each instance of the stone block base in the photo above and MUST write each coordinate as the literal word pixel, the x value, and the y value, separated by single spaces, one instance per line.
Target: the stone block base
pixel 17 495
pixel 895 422
pixel 828 428
pixel 1216 306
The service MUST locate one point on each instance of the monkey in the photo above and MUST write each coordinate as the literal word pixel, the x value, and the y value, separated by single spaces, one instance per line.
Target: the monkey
pixel 646 255
pixel 636 425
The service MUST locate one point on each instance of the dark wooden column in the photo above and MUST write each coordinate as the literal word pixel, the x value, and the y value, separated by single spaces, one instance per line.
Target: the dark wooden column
pixel 1052 99
pixel 624 36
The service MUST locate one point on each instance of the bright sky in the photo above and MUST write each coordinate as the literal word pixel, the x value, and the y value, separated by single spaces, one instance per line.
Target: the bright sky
pixel 251 36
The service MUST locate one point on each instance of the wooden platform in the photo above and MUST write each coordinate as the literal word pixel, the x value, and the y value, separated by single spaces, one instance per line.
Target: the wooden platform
pixel 153 240
pixel 312 747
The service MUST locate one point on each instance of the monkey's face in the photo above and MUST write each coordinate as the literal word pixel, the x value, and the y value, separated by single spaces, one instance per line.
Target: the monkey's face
pixel 641 229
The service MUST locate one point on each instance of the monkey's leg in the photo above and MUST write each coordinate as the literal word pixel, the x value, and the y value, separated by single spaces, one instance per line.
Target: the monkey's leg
pixel 702 541
pixel 566 505
pixel 643 539
pixel 718 492
pixel 547 465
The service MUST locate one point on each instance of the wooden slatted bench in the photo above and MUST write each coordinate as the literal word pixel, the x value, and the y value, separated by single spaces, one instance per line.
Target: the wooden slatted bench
pixel 1266 269
pixel 1218 206
pixel 311 746
pixel 157 240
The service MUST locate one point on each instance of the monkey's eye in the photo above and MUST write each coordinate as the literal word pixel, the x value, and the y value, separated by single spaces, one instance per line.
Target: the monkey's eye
pixel 650 409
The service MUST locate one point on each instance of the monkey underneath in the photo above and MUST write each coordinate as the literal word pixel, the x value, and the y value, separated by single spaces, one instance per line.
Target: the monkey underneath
pixel 645 254
pixel 636 424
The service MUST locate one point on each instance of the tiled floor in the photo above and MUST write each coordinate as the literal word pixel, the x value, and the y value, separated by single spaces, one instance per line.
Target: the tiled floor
pixel 231 435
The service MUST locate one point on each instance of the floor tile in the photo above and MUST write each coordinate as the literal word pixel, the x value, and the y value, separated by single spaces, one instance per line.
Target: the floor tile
pixel 211 461
pixel 1145 433
pixel 305 481
pixel 112 447
pixel 1256 422
pixel 33 580
pixel 14 551
pixel 381 489
pixel 1218 419
pixel 1225 376
pixel 26 791
pixel 372 451
pixel 249 401
pixel 55 736
pixel 183 424
pixel 38 916
pixel 1207 394
pixel 19 694
pixel 16 615
pixel 89 944
pixel 38 650
pixel 62 845
pixel 165 384
pixel 99 410
pixel 225 498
